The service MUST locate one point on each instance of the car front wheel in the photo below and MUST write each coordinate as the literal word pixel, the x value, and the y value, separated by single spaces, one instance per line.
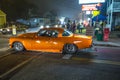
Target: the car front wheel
pixel 18 46
pixel 69 49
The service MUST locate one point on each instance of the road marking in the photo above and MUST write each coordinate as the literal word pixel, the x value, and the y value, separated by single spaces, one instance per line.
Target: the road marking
pixel 4 49
pixel 67 56
pixel 16 67
pixel 5 55
pixel 97 61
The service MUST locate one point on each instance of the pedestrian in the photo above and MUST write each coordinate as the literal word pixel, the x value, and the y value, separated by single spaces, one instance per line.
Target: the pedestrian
pixel 81 27
pixel 78 27
pixel 68 25
pixel 73 27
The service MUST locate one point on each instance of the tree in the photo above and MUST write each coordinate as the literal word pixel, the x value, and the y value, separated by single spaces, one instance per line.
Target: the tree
pixel 17 8
pixel 52 15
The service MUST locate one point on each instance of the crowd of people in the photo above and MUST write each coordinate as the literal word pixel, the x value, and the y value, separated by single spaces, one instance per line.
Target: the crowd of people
pixel 77 27
pixel 73 26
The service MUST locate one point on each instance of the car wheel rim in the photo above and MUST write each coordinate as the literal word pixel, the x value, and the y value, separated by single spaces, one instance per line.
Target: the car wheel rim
pixel 70 48
pixel 18 46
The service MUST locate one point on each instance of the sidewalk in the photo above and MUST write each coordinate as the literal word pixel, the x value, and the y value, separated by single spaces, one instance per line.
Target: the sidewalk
pixel 114 40
pixel 109 43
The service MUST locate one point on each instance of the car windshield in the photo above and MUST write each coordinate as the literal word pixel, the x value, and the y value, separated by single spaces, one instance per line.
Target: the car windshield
pixel 67 33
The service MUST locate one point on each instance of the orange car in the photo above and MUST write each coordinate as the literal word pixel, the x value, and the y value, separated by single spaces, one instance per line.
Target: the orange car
pixel 51 40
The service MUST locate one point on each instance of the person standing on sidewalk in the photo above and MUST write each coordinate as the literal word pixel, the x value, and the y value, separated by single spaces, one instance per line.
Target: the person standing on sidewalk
pixel 81 27
pixel 68 25
pixel 78 27
pixel 74 27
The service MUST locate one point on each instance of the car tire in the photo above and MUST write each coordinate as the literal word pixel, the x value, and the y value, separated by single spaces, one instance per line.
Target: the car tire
pixel 70 49
pixel 18 46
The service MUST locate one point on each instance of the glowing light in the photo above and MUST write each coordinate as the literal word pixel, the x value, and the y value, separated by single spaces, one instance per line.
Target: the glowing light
pixel 56 25
pixel 88 19
pixel 0 29
pixel 89 7
pixel 35 20
pixel 38 41
pixel 88 12
pixel 77 41
pixel 90 1
pixel 8 29
pixel 47 26
pixel 95 13
pixel 41 27
pixel 62 20
pixel 55 43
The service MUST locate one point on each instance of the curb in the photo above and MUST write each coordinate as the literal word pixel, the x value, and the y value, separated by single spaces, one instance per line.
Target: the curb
pixel 5 36
pixel 109 44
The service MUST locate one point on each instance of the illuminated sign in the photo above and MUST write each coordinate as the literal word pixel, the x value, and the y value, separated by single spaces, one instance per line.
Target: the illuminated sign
pixel 90 7
pixel 95 13
pixel 90 1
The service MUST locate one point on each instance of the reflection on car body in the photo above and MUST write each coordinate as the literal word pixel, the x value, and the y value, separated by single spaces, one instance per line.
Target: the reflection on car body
pixel 51 40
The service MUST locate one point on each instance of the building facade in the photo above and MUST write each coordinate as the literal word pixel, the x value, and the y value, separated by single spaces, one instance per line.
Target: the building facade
pixel 113 13
pixel 2 18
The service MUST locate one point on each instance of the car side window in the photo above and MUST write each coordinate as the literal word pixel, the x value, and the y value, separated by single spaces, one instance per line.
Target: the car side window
pixel 42 33
pixel 51 33
pixel 48 33
pixel 66 33
pixel 54 33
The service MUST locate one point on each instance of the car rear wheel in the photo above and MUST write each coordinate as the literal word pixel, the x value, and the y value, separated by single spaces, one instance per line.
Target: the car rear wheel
pixel 69 49
pixel 18 46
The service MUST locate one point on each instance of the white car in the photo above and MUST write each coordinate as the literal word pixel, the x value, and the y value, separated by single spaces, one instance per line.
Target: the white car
pixel 35 29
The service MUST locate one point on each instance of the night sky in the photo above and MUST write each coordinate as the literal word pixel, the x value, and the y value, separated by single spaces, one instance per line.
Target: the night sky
pixel 66 8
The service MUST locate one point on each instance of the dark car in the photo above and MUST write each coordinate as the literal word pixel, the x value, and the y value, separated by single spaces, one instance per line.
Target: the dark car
pixel 6 30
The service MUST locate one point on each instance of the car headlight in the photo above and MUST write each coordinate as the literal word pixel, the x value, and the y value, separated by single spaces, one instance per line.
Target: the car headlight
pixel 47 26
pixel 41 26
pixel 56 26
pixel 0 29
pixel 8 29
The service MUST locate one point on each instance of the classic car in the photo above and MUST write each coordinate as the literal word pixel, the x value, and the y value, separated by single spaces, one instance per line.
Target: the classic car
pixel 58 40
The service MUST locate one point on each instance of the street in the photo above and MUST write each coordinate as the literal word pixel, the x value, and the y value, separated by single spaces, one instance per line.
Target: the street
pixel 52 67
pixel 59 39
pixel 103 64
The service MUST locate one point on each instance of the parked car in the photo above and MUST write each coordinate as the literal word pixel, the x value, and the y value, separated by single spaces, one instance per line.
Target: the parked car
pixel 32 29
pixel 51 40
pixel 35 28
pixel 7 30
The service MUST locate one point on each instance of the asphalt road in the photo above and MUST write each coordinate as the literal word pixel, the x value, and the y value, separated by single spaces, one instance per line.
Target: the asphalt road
pixel 84 66
pixel 101 65
pixel 3 42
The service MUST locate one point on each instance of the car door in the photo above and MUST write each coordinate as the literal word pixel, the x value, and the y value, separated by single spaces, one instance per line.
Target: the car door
pixel 54 43
pixel 41 40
